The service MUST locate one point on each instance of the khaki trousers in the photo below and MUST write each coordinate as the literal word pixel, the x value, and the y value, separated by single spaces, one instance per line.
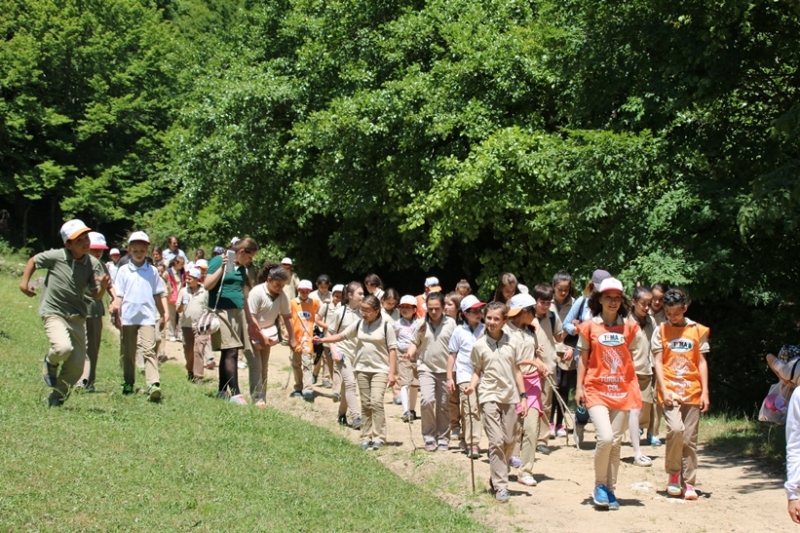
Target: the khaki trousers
pixel 434 404
pixel 302 363
pixel 680 456
pixel 530 435
pixel 194 348
pixel 94 333
pixel 500 422
pixel 258 371
pixel 454 406
pixel 470 416
pixel 609 426
pixel 372 386
pixel 143 340
pixel 343 375
pixel 67 337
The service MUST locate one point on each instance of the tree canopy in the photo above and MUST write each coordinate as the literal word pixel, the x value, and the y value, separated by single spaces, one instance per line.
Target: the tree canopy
pixel 659 140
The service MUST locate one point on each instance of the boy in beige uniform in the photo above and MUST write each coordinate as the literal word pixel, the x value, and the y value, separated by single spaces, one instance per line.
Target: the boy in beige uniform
pixel 495 358
pixel 549 333
pixel 63 306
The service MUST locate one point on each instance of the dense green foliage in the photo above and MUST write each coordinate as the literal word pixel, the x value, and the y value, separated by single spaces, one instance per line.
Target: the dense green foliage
pixel 660 140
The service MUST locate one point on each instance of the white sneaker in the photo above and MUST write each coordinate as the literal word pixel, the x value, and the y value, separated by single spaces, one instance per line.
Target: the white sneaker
pixel 527 479
pixel 242 365
pixel 561 432
pixel 172 338
pixel 238 399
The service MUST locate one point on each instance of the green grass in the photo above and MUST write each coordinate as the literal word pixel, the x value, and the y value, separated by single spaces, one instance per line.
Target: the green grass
pixel 107 462
pixel 745 438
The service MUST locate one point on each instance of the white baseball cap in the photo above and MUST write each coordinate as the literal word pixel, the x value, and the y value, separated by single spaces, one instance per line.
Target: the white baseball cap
pixel 470 302
pixel 234 241
pixel 337 288
pixel 519 302
pixel 139 236
pixel 305 284
pixel 72 229
pixel 196 273
pixel 114 251
pixel 611 284
pixel 97 241
pixel 201 263
pixel 431 282
pixel 286 261
pixel 523 288
pixel 408 300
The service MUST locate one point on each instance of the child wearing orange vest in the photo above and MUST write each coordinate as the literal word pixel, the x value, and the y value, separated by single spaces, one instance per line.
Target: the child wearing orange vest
pixel 607 382
pixel 679 348
pixel 304 315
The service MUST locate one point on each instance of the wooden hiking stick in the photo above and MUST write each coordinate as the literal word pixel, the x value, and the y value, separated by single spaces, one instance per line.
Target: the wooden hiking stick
pixel 471 445
pixel 567 413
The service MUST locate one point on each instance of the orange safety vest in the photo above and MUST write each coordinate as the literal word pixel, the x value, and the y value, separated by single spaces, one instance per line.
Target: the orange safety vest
pixel 680 358
pixel 610 378
pixel 303 316
pixel 422 309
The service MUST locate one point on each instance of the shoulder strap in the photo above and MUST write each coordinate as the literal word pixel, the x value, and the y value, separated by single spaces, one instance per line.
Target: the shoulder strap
pixel 552 323
pixel 793 369
pixel 341 319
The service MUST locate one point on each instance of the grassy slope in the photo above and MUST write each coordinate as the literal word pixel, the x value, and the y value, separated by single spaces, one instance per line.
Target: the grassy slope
pixel 105 462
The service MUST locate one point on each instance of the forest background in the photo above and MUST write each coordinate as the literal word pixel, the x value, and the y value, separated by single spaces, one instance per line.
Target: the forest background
pixel 657 139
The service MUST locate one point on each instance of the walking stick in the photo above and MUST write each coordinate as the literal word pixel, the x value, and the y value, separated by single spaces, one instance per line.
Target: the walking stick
pixel 471 445
pixel 568 416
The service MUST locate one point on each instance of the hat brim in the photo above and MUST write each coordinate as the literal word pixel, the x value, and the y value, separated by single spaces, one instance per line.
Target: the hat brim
pixel 435 288
pixel 514 312
pixel 98 247
pixel 78 232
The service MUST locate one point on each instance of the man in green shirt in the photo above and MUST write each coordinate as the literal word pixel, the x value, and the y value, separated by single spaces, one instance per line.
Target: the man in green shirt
pixel 70 274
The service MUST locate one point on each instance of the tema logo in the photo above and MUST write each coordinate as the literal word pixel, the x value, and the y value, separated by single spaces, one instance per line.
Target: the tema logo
pixel 681 345
pixel 612 339
pixel 304 315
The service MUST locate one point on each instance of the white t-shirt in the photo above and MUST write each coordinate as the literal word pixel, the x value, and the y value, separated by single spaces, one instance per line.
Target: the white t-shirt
pixel 138 287
pixel 461 343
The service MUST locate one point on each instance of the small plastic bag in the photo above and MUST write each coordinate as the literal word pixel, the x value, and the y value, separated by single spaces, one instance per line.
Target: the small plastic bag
pixel 776 404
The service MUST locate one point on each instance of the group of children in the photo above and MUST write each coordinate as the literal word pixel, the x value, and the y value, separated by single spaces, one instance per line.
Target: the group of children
pixel 496 365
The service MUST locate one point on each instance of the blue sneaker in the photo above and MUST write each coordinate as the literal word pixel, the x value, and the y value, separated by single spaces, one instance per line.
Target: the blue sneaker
pixel 600 496
pixel 308 396
pixel 613 504
pixel 653 440
pixel 296 394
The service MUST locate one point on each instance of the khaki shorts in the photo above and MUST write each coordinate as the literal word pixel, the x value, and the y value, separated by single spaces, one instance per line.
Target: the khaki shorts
pixel 232 330
pixel 407 373
pixel 646 388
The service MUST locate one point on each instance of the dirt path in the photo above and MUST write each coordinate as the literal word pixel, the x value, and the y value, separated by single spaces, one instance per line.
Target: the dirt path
pixel 736 494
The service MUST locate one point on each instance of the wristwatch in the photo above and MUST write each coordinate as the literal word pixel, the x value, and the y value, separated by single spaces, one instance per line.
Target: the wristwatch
pixel 524 396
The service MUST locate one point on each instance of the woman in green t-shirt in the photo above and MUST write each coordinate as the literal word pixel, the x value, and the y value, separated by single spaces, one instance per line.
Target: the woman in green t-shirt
pixel 227 292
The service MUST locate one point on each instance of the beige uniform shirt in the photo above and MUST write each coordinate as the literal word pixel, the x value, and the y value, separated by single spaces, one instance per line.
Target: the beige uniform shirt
pixel 433 347
pixel 372 347
pixel 642 358
pixel 266 308
pixel 547 339
pixel 528 342
pixel 497 361
pixel 195 305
